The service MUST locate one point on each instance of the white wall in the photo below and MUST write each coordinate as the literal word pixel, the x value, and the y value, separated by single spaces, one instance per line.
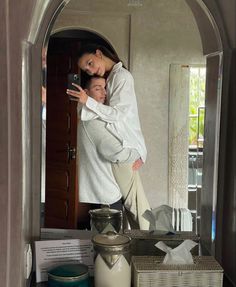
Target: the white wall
pixel 165 33
pixel 159 33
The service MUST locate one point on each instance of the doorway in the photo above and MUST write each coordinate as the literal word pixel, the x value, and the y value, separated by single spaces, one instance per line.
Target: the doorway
pixel 60 206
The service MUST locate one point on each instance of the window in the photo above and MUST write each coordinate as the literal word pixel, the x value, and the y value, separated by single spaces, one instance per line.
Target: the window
pixel 196 107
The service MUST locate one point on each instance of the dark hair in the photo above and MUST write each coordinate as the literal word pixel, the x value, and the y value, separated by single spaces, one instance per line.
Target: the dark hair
pixel 89 80
pixel 92 48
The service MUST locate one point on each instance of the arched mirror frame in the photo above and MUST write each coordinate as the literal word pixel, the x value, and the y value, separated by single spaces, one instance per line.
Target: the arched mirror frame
pixel 42 23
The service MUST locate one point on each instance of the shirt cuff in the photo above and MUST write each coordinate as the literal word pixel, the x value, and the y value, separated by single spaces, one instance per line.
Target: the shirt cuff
pixel 91 103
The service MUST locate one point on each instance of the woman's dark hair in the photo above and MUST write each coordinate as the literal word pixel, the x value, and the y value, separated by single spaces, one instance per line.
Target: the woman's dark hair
pixel 92 48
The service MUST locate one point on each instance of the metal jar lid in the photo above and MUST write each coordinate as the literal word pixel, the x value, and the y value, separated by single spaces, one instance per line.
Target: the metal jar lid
pixel 69 273
pixel 105 212
pixel 111 241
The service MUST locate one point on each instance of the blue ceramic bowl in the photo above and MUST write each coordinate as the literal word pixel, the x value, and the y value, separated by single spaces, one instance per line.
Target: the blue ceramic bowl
pixel 69 275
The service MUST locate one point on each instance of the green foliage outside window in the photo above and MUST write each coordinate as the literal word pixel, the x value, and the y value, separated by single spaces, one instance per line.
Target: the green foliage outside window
pixel 196 106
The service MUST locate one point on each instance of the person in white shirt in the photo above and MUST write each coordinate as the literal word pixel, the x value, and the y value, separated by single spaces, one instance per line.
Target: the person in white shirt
pixel 121 111
pixel 99 180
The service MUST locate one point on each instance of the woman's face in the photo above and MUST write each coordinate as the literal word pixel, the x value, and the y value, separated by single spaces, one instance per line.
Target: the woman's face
pixel 93 64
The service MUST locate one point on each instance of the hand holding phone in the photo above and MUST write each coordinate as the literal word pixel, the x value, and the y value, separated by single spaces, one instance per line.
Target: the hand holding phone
pixel 76 92
pixel 73 78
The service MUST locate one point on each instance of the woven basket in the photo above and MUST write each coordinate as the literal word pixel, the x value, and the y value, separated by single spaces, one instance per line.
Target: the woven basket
pixel 148 271
pixel 143 242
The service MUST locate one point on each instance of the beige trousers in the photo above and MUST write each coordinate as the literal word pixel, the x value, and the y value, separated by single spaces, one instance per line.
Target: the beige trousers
pixel 135 201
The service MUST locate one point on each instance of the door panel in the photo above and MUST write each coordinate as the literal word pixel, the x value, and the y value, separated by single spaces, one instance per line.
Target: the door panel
pixel 58 208
pixel 61 200
pixel 58 151
pixel 59 181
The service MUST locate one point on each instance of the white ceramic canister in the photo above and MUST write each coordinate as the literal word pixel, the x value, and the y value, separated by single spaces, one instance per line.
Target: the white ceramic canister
pixel 112 263
pixel 106 219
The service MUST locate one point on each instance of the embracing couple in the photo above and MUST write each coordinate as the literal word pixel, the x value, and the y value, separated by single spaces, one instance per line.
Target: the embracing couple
pixel 111 146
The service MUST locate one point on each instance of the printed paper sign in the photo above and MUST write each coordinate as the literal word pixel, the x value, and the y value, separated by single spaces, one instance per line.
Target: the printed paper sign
pixel 55 233
pixel 51 253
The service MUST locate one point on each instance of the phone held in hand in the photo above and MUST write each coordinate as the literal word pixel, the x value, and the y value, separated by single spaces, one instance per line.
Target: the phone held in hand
pixel 75 79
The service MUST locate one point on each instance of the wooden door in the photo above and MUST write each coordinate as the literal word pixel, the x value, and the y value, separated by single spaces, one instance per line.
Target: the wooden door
pixel 62 206
pixel 61 198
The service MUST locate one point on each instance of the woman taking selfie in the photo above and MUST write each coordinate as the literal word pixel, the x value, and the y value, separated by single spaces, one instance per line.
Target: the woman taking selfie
pixel 121 109
pixel 120 112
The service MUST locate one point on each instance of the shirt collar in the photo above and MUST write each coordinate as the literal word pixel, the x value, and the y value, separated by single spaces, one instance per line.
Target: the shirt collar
pixel 115 68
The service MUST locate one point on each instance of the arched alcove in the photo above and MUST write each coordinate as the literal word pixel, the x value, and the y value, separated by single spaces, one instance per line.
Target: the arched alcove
pixel 208 28
pixel 50 15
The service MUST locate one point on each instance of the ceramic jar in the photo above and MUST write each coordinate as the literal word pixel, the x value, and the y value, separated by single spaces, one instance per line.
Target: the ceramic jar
pixel 112 267
pixel 69 275
pixel 106 219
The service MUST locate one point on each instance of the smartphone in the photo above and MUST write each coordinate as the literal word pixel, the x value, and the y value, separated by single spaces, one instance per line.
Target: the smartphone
pixel 73 78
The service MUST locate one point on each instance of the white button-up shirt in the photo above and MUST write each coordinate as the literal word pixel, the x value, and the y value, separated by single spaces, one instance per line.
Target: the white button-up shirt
pixel 121 113
pixel 97 149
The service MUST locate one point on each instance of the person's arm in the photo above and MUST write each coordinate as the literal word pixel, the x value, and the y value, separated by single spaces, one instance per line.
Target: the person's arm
pixel 118 107
pixel 120 104
pixel 109 114
pixel 107 145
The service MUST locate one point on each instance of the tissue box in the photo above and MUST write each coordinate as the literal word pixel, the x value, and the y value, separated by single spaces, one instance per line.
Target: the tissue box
pixel 149 271
pixel 143 242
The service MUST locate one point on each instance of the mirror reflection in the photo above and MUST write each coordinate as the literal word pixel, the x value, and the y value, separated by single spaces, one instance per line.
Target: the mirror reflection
pixel 164 55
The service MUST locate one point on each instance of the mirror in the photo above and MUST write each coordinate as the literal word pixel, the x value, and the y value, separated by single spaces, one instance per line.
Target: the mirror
pixel 160 44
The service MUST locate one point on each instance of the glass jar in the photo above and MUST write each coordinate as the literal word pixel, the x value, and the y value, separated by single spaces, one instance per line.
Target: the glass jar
pixel 106 219
pixel 112 265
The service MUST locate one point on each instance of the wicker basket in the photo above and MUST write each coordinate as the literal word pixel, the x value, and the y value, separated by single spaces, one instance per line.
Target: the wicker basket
pixel 143 242
pixel 148 271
